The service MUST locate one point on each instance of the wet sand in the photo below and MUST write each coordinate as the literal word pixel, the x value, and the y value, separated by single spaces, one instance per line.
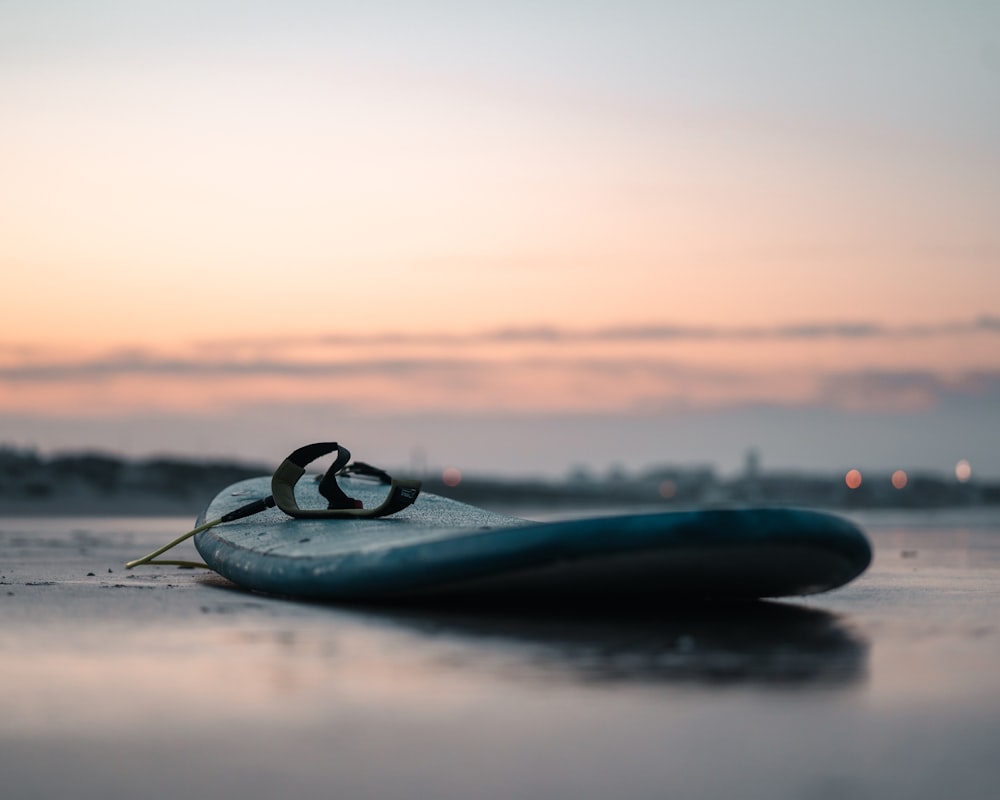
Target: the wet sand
pixel 166 682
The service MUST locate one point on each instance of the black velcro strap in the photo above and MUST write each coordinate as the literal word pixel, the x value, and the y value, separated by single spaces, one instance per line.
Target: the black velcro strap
pixel 401 492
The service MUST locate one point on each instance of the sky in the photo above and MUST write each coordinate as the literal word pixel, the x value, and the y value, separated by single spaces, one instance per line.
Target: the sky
pixel 510 237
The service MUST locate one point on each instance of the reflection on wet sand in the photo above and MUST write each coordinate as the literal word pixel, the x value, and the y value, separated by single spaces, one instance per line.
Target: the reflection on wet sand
pixel 764 643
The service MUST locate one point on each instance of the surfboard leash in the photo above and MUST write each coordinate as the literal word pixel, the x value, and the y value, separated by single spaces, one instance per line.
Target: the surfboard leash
pixel 244 511
pixel 402 493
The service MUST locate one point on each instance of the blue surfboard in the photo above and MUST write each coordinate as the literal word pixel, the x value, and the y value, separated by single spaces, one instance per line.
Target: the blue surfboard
pixel 439 548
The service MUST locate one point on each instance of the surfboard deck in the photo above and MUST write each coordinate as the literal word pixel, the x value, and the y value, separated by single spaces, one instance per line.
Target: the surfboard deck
pixel 440 548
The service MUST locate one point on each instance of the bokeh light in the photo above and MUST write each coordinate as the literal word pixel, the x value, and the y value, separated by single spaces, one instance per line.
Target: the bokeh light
pixel 899 479
pixel 853 479
pixel 451 477
pixel 668 489
pixel 963 471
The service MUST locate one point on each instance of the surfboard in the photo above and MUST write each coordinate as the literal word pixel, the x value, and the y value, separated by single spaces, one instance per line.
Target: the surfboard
pixel 440 548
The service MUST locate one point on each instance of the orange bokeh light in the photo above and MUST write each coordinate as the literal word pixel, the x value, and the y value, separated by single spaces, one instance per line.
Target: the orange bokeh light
pixel 451 477
pixel 853 479
pixel 899 479
pixel 963 471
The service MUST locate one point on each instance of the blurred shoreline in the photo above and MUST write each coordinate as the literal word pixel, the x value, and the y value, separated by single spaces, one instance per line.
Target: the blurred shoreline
pixel 90 483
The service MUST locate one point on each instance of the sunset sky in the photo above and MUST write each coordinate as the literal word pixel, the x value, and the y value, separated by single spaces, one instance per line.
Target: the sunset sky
pixel 504 236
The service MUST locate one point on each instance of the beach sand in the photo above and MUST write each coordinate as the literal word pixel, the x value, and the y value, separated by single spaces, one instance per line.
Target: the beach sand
pixel 163 682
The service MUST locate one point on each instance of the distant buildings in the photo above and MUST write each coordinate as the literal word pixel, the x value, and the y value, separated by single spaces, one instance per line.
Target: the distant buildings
pixel 107 484
pixel 83 483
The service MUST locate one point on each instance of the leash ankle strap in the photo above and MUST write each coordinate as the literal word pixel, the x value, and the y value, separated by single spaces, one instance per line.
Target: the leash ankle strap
pixel 402 493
